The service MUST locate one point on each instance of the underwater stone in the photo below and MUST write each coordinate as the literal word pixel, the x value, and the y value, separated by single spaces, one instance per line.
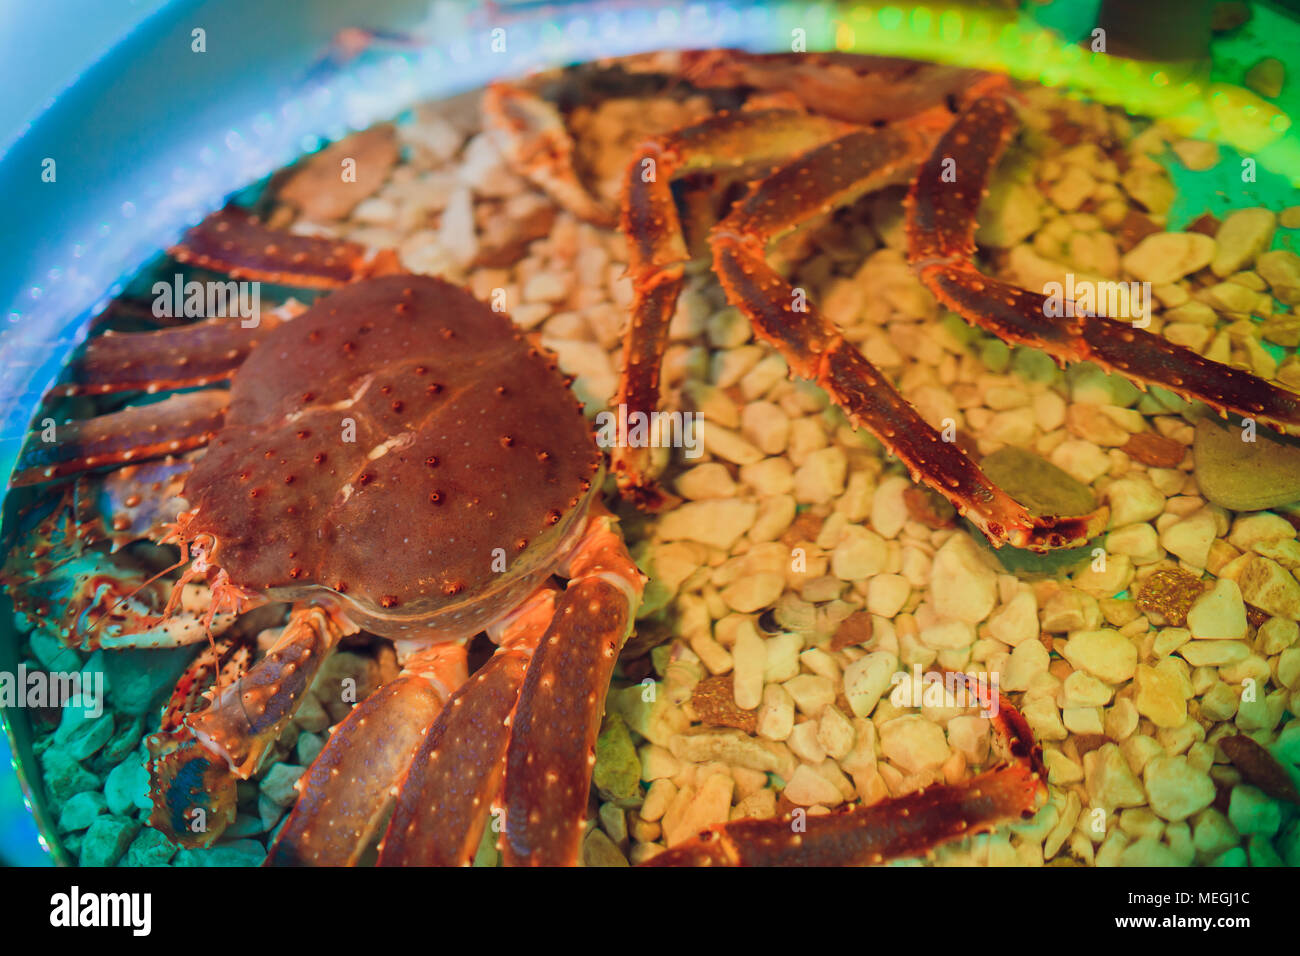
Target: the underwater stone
pixel 150 848
pixel 1245 475
pixel 617 774
pixel 53 654
pixel 127 786
pixel 64 776
pixel 1253 812
pixel 139 678
pixel 81 810
pixel 235 853
pixel 107 839
pixel 278 784
pixel 125 740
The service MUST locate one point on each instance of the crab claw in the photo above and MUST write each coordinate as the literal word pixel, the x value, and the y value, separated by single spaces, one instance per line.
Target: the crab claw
pixel 192 789
pixel 196 765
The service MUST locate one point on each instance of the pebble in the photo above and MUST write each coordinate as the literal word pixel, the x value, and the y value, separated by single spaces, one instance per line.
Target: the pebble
pixel 1214 653
pixel 860 554
pixel 1191 537
pixel 913 744
pixel 1161 696
pixel 107 839
pixel 1280 268
pixel 1036 483
pixel 964 588
pixel 1245 476
pixel 776 713
pixel 867 679
pixel 1105 654
pixel 1025 663
pixel 766 426
pixel 81 810
pixel 1166 257
pixel 1268 586
pixel 821 477
pixel 127 787
pixel 279 783
pixel 1016 621
pixel 710 805
pixel 1109 780
pixel 887 593
pixel 748 659
pixel 811 693
pixel 1243 235
pixel 808 788
pixel 599 850
pixel 1132 501
pixel 835 732
pixel 1220 614
pixel 1253 812
pixel 234 853
pixel 754 592
pixel 718 523
pixel 150 848
pixel 1081 460
pixel 709 480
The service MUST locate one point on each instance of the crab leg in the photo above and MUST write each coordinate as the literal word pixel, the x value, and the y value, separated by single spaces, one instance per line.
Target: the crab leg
pixel 177 423
pixel 531 135
pixel 444 800
pixel 830 175
pixel 941 230
pixel 233 242
pixel 657 250
pixel 907 826
pixel 346 792
pixel 194 768
pixel 182 356
pixel 554 727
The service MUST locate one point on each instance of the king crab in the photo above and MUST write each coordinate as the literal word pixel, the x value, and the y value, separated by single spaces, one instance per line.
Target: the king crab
pixel 822 131
pixel 446 398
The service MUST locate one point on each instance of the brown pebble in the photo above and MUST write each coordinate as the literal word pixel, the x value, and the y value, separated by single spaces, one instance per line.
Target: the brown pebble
pixel 1085 742
pixel 714 702
pixel 1259 767
pixel 1170 594
pixel 1155 451
pixel 1205 224
pixel 805 527
pixel 1135 227
pixel 1255 617
pixel 853 630
pixel 929 507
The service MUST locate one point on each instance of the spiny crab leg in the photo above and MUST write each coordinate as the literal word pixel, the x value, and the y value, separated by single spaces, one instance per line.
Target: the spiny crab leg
pixel 346 792
pixel 444 801
pixel 531 135
pixel 941 229
pixel 234 243
pixel 907 826
pixel 830 175
pixel 554 727
pixel 657 250
pixel 182 356
pixel 195 766
pixel 177 423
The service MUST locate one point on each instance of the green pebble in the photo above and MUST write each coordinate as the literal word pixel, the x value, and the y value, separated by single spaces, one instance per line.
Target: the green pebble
pixel 617 774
